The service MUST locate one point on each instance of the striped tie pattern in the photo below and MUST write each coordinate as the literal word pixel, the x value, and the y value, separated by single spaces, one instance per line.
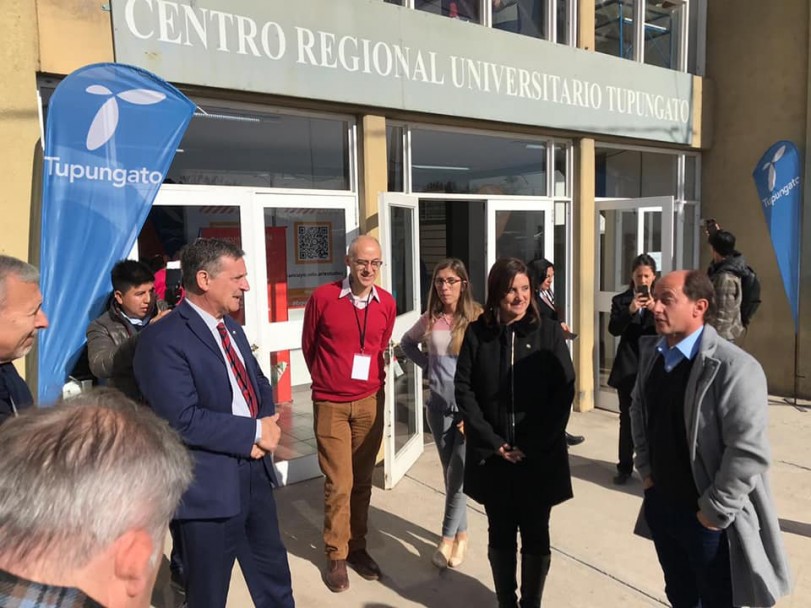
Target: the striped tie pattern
pixel 239 370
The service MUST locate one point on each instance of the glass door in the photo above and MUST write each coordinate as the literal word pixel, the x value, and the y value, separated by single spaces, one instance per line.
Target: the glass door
pixel 298 242
pixel 625 229
pixel 179 215
pixel 399 232
pixel 522 229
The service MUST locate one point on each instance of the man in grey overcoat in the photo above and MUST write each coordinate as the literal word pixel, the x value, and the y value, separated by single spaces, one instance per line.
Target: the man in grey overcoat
pixel 699 420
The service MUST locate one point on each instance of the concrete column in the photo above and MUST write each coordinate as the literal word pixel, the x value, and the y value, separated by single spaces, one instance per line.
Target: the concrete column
pixel 373 171
pixel 584 271
pixel 585 25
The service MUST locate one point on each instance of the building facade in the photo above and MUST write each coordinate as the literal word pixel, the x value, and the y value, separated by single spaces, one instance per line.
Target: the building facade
pixel 583 131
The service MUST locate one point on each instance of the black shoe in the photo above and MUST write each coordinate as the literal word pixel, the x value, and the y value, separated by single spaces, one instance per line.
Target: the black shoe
pixel 574 439
pixel 620 479
pixel 363 564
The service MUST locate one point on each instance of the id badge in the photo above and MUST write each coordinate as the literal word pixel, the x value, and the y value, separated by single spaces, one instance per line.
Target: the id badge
pixel 360 367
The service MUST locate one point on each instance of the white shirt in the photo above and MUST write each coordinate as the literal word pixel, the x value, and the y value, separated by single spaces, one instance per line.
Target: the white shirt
pixel 239 407
pixel 360 304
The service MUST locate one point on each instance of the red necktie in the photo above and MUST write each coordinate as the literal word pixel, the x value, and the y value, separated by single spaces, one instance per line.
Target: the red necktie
pixel 239 371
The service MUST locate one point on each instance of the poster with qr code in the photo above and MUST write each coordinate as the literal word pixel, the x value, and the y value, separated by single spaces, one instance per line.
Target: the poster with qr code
pixel 313 242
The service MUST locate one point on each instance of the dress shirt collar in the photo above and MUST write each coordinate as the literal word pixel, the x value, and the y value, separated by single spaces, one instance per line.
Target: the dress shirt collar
pixel 346 289
pixel 209 319
pixel 687 348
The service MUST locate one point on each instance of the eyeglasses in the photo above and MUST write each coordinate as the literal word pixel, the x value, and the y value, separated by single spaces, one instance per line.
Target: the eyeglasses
pixel 448 282
pixel 376 264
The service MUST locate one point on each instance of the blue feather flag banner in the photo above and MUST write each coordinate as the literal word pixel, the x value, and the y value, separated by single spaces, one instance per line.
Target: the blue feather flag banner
pixel 111 134
pixel 778 178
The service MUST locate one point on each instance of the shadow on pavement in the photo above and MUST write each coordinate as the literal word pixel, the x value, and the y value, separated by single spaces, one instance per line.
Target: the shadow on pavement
pixel 403 550
pixel 601 473
pixel 799 528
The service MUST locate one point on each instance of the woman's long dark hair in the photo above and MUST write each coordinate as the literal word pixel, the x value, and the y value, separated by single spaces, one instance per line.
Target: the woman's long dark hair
pixel 499 282
pixel 643 259
pixel 537 271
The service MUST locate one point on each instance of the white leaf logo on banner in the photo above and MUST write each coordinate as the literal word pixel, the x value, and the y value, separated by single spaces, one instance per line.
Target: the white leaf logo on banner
pixel 105 121
pixel 770 166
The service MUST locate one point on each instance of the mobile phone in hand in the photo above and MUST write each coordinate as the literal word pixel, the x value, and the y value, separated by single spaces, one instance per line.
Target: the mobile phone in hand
pixel 642 290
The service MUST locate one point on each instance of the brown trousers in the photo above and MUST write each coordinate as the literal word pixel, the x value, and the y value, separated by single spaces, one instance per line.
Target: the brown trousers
pixel 348 436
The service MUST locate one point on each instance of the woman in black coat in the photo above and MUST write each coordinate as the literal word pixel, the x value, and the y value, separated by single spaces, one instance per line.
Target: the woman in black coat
pixel 631 317
pixel 514 387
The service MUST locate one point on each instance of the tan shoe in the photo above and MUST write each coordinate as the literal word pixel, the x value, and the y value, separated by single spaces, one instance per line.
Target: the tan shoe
pixel 458 553
pixel 442 554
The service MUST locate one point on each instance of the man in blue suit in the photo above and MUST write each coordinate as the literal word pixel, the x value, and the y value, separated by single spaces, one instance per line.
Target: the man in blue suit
pixel 196 370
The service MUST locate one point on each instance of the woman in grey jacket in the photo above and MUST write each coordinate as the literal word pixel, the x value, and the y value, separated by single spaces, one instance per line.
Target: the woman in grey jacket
pixel 441 329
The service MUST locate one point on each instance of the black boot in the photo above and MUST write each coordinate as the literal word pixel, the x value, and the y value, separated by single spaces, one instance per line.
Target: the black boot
pixel 534 569
pixel 503 564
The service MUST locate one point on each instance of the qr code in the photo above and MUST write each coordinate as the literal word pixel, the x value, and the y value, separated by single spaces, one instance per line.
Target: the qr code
pixel 313 243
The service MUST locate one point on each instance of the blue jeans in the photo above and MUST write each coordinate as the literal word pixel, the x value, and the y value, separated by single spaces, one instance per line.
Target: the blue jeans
pixel 694 559
pixel 450 444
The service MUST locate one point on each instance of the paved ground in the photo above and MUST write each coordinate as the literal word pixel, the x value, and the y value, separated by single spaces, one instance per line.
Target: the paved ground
pixel 597 561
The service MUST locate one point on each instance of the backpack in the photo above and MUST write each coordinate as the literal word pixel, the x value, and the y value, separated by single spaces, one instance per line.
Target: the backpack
pixel 750 294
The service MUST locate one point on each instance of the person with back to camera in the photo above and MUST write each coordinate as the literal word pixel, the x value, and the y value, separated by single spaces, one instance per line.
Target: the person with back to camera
pixel 450 310
pixel 514 387
pixel 631 317
pixel 728 265
pixel 542 272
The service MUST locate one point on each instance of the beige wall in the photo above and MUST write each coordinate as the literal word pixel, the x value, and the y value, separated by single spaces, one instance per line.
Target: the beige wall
pixel 757 59
pixel 19 121
pixel 72 34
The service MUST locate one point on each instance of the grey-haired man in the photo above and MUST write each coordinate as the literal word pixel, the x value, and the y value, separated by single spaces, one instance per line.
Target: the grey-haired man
pixel 87 489
pixel 21 317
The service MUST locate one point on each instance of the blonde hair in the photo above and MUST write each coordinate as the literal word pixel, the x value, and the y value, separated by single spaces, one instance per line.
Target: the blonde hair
pixel 467 309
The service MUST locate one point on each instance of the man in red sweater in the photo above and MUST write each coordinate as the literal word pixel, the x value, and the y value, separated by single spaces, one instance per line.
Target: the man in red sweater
pixel 347 327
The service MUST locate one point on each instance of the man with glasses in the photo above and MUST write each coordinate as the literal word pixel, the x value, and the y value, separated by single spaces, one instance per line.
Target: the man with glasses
pixel 347 327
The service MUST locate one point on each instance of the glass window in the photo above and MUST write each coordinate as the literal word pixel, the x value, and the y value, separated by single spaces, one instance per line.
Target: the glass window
pixel 691 231
pixel 695 31
pixel 465 10
pixel 690 186
pixel 226 147
pixel 477 164
pixel 662 26
pixel 394 152
pixel 304 248
pixel 402 252
pixel 563 17
pixel 561 182
pixel 561 269
pixel 632 174
pixel 526 17
pixel 168 228
pixel 452 229
pixel 521 234
pixel 614 27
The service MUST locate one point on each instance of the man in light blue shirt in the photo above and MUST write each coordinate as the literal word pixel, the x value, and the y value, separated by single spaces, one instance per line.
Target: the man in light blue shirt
pixel 700 433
